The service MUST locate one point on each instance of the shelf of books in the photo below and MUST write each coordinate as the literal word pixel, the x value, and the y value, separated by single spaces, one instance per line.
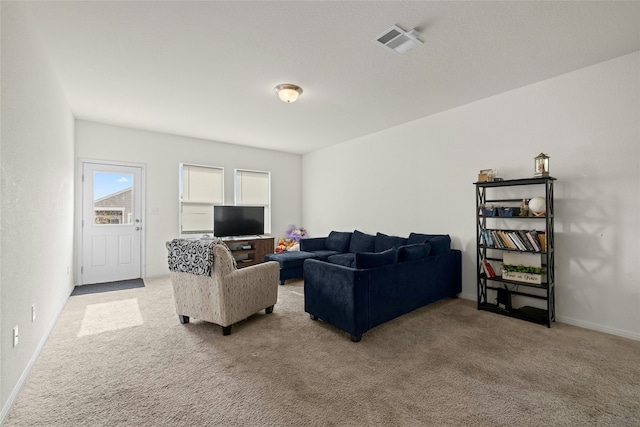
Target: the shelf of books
pixel 522 240
pixel 515 249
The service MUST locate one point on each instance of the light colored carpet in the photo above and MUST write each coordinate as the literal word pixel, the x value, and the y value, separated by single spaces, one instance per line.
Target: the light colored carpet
pixel 123 359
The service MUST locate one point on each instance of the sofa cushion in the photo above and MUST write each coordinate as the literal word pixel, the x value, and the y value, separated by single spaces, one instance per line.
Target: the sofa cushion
pixel 384 242
pixel 440 245
pixel 417 238
pixel 325 254
pixel 361 242
pixel 366 260
pixel 413 252
pixel 313 244
pixel 347 260
pixel 338 241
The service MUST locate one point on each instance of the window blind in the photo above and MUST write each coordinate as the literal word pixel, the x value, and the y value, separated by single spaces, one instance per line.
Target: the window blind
pixel 202 187
pixel 202 184
pixel 252 188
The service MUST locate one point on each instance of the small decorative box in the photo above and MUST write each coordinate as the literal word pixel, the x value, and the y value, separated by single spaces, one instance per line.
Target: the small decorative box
pixel 508 211
pixel 489 211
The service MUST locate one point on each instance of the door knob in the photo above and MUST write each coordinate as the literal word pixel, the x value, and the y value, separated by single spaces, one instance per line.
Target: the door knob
pixel 138 228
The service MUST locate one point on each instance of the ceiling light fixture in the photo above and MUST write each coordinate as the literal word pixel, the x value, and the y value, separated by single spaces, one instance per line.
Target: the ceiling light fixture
pixel 288 93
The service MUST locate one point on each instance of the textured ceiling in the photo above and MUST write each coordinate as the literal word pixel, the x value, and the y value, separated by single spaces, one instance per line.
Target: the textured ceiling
pixel 207 69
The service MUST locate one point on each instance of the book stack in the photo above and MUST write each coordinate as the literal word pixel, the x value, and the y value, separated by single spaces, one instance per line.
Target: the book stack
pixel 517 240
pixel 488 270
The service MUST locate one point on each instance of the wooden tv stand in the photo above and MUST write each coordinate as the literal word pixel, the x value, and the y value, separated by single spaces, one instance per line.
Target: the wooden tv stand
pixel 251 250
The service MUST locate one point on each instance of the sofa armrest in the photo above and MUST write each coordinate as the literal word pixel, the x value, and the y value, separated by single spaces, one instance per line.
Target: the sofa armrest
pixel 338 295
pixel 313 244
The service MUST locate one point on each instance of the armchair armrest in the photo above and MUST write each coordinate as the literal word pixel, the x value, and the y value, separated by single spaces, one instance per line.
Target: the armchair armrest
pixel 263 274
pixel 248 290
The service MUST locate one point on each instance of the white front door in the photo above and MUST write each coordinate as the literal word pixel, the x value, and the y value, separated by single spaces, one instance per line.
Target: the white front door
pixel 111 223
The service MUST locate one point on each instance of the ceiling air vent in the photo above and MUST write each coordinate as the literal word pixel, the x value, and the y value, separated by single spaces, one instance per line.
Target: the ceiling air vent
pixel 399 40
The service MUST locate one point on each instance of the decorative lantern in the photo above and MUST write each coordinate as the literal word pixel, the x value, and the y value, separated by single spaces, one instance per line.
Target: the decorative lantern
pixel 541 166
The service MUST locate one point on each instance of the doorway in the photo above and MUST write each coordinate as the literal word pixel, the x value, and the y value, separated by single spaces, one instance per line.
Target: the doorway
pixel 111 209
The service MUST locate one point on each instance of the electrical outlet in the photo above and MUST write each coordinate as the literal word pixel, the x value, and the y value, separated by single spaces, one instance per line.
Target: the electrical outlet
pixel 15 336
pixel 33 312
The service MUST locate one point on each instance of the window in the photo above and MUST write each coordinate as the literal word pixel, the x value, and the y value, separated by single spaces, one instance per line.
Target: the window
pixel 201 187
pixel 109 216
pixel 113 198
pixel 254 188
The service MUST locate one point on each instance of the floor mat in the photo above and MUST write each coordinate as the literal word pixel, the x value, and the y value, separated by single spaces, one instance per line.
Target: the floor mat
pixel 107 287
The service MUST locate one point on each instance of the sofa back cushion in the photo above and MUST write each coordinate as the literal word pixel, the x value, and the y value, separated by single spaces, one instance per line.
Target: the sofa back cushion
pixel 361 242
pixel 366 260
pixel 417 238
pixel 347 260
pixel 338 241
pixel 413 252
pixel 440 243
pixel 313 244
pixel 384 242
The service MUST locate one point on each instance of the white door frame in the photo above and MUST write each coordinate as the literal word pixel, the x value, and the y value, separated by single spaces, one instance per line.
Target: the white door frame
pixel 79 247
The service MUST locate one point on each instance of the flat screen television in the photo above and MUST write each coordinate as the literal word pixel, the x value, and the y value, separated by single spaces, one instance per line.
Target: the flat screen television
pixel 229 221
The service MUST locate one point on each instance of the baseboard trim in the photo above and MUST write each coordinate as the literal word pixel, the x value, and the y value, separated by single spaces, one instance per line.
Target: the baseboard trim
pixel 471 297
pixel 580 323
pixel 6 409
pixel 597 327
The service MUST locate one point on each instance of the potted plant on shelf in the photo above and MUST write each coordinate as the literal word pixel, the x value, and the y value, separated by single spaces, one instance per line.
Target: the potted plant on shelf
pixel 522 273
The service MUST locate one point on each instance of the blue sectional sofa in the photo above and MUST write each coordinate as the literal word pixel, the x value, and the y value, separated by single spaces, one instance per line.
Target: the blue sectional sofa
pixel 355 281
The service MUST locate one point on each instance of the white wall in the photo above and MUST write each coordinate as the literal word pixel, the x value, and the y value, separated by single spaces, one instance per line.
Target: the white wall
pixel 419 177
pixel 37 199
pixel 162 154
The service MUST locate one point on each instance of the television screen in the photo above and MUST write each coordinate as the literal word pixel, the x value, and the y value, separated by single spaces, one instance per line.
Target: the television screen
pixel 238 220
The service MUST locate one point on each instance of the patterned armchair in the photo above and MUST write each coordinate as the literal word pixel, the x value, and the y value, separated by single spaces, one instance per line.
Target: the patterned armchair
pixel 228 295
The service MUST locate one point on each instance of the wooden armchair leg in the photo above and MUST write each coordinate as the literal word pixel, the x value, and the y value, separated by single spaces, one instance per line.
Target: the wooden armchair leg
pixel 226 330
pixel 183 319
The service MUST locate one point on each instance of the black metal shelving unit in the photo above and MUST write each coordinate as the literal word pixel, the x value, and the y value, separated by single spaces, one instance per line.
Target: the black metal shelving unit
pixel 489 193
